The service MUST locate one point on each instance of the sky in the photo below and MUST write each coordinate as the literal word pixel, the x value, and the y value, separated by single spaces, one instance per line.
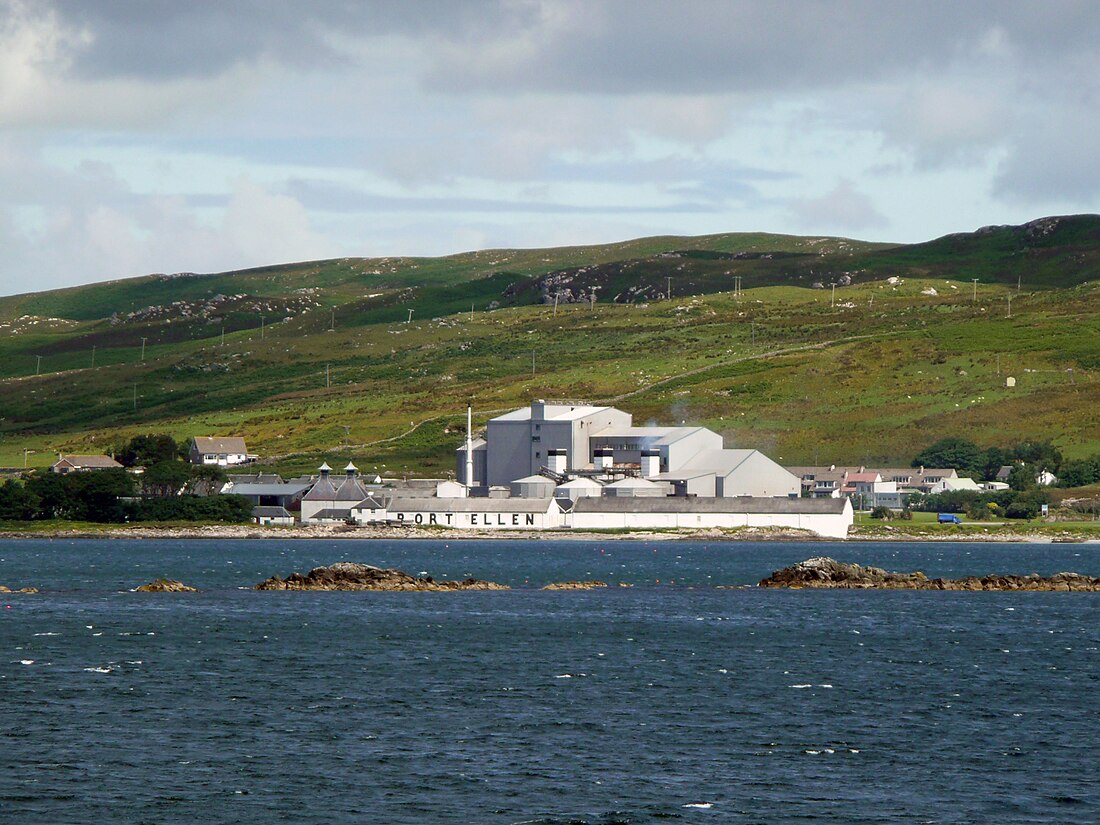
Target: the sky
pixel 145 136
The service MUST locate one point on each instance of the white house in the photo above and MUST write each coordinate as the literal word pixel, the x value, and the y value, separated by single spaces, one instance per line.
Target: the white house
pixel 221 451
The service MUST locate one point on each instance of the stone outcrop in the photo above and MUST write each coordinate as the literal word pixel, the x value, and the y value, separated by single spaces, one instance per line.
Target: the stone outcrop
pixel 588 585
pixel 351 576
pixel 166 586
pixel 5 589
pixel 823 572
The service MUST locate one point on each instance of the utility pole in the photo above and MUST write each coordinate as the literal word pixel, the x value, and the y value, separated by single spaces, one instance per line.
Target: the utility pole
pixel 975 296
pixel 556 304
pixel 347 436
pixel 223 333
pixel 1010 305
pixel 532 363
pixel 471 311
pixel 326 377
pixel 668 294
pixel 832 300
pixel 25 451
pixel 93 356
pixel 410 317
pixel 754 333
pixel 332 324
pixel 143 340
pixel 38 366
pixel 1019 283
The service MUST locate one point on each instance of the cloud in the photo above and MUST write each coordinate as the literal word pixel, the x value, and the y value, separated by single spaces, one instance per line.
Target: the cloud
pixel 842 209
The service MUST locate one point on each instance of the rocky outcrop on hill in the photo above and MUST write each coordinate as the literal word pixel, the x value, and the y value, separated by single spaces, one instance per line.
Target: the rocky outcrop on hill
pixel 351 576
pixel 588 585
pixel 823 572
pixel 166 586
pixel 5 589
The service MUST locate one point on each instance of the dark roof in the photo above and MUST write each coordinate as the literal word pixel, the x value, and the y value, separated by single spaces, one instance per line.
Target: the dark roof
pixel 270 512
pixel 371 503
pixel 321 491
pixel 98 462
pixel 220 444
pixel 738 504
pixel 249 489
pixel 255 478
pixel 470 505
pixel 338 514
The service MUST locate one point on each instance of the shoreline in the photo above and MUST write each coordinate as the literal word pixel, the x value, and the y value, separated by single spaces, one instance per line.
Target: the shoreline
pixel 341 532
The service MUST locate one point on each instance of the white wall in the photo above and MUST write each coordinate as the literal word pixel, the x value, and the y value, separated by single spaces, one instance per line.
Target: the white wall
pixel 830 525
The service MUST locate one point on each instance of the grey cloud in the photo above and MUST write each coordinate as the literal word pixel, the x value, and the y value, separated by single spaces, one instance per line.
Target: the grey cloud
pixel 844 209
pixel 163 39
pixel 630 47
pixel 612 47
pixel 326 196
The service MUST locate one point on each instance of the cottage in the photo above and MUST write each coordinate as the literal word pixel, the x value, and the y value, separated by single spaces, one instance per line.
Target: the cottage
pixel 221 451
pixel 82 463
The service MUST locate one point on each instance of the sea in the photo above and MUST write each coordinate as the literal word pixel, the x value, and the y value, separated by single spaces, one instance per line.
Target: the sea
pixel 688 697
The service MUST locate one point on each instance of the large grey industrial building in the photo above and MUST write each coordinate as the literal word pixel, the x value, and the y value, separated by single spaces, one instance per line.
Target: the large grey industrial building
pixel 568 441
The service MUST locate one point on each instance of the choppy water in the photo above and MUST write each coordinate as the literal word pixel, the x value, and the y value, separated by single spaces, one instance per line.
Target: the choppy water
pixel 654 703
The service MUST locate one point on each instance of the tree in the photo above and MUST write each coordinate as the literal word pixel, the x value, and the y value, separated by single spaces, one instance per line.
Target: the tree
pixel 1023 477
pixel 1079 473
pixel 964 456
pixel 165 478
pixel 17 503
pixel 206 479
pixel 1043 454
pixel 146 450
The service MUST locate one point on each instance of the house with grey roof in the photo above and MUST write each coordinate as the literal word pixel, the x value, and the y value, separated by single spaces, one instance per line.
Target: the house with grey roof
pixel 221 451
pixel 66 464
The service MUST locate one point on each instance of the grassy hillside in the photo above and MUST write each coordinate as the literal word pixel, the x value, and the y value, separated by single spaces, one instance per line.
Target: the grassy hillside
pixel 320 359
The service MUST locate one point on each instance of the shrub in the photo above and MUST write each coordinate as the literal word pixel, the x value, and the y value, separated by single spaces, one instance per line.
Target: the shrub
pixel 884 513
pixel 227 508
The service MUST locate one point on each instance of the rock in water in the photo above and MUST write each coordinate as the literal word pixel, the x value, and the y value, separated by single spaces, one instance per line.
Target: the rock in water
pixel 166 586
pixel 590 585
pixel 5 589
pixel 823 572
pixel 346 575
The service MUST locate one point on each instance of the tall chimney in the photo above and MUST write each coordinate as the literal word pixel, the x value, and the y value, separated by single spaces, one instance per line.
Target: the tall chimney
pixel 651 463
pixel 469 447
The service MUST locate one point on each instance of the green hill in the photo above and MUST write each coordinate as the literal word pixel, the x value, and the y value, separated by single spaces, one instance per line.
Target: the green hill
pixel 320 358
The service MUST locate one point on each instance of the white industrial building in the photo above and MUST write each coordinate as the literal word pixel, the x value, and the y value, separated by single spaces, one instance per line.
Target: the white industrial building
pixel 825 517
pixel 570 441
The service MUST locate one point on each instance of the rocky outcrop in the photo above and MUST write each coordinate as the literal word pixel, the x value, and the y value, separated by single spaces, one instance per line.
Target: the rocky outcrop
pixel 823 572
pixel 588 585
pixel 351 576
pixel 4 589
pixel 166 586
